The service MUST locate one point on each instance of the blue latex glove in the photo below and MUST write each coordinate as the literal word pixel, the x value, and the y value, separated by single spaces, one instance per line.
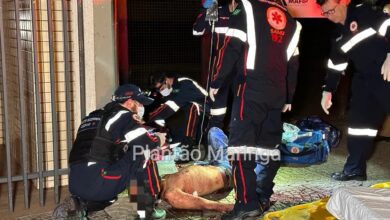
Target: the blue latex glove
pixel 207 3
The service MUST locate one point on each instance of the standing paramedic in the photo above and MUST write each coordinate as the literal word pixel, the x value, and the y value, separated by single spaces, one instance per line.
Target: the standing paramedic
pixel 363 42
pixel 203 27
pixel 267 37
pixel 110 153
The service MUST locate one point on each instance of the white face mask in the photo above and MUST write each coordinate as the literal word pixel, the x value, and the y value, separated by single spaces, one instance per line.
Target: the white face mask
pixel 166 91
pixel 140 111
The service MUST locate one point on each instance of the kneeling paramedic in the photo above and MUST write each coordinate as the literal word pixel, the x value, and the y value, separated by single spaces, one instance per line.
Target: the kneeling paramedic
pixel 110 154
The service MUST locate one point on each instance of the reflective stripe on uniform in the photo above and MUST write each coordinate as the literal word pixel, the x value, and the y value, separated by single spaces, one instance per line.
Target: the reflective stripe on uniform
pixel 357 38
pixel 296 52
pixel 131 135
pixel 218 111
pixel 196 33
pixel 294 41
pixel 250 22
pixel 383 28
pixel 235 150
pixel 203 91
pixel 172 105
pixel 160 122
pixel 362 132
pixel 338 67
pixel 197 106
pixel 231 32
pixel 114 119
pixel 221 30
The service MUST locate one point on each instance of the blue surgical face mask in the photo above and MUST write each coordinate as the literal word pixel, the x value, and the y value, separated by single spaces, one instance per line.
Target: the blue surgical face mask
pixel 166 91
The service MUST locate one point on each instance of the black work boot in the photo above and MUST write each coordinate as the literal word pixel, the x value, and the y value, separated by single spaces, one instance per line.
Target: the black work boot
pixel 241 214
pixel 342 176
pixel 70 208
pixel 265 205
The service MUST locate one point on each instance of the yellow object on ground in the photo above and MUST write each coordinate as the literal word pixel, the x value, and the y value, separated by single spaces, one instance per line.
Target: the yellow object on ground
pixel 381 185
pixel 310 211
pixel 313 211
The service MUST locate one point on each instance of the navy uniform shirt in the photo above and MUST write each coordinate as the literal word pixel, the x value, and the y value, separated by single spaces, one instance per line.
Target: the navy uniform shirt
pixel 119 129
pixel 362 41
pixel 202 27
pixel 185 91
pixel 267 37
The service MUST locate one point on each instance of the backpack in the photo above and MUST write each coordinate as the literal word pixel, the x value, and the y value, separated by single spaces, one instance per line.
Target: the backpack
pixel 332 134
pixel 309 147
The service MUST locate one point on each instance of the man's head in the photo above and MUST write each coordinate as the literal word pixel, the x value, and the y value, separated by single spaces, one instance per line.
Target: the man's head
pixel 232 5
pixel 386 8
pixel 162 82
pixel 131 97
pixel 334 10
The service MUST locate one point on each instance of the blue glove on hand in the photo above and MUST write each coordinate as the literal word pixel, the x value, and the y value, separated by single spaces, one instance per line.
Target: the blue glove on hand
pixel 207 3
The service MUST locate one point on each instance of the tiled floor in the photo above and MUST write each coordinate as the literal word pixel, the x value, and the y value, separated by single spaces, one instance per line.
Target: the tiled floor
pixel 294 185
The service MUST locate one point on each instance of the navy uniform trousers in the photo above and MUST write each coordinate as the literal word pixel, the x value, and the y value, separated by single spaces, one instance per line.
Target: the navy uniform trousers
pixel 370 103
pixel 101 182
pixel 255 132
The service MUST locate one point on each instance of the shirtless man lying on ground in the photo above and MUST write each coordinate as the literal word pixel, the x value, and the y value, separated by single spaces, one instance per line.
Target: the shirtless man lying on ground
pixel 184 190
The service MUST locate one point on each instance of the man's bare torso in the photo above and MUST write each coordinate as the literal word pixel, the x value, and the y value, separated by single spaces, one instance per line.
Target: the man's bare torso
pixel 201 180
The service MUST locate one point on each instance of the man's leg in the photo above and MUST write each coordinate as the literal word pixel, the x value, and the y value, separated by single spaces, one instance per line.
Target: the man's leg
pixel 142 177
pixel 219 108
pixel 269 136
pixel 245 177
pixel 183 127
pixel 145 189
pixel 218 144
pixel 265 174
pixel 241 145
pixel 364 119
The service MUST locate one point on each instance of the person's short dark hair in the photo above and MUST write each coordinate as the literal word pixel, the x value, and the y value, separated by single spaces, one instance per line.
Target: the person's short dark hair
pixel 321 2
pixel 157 77
pixel 160 77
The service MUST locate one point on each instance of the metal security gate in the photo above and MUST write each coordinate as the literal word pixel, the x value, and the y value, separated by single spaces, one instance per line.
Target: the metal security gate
pixel 37 92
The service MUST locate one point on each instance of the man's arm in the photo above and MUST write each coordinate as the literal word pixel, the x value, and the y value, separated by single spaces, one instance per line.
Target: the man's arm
pixel 201 26
pixel 293 64
pixel 181 200
pixel 125 128
pixel 381 23
pixel 337 64
pixel 232 49
pixel 383 30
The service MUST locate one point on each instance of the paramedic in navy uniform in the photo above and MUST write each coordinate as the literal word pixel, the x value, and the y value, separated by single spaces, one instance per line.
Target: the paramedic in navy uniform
pixel 203 27
pixel 363 41
pixel 266 36
pixel 108 151
pixel 182 95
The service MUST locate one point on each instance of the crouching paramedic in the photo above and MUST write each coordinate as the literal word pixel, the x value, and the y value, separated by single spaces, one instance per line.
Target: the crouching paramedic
pixel 108 154
pixel 183 97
